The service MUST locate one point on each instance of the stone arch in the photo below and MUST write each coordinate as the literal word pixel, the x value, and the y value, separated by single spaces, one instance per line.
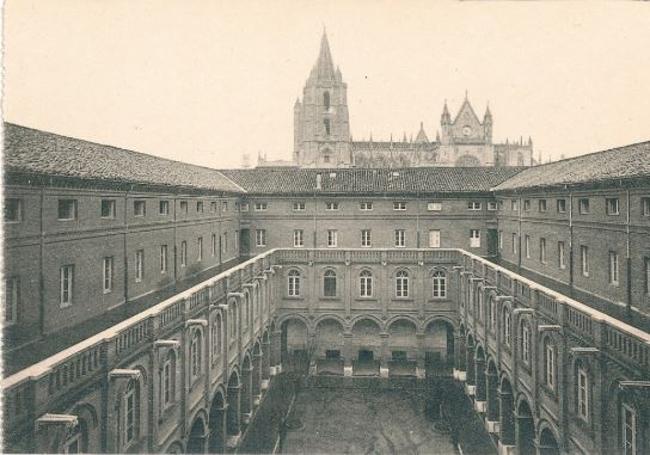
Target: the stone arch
pixel 197 436
pixel 88 421
pixel 403 317
pixel 492 390
pixel 548 439
pixel 291 316
pixel 233 404
pixel 294 342
pixel 366 338
pixel 525 428
pixel 175 447
pixel 257 371
pixel 470 353
pixel 439 345
pixel 402 332
pixel 506 412
pixel 479 371
pixel 370 317
pixel 328 334
pixel 468 161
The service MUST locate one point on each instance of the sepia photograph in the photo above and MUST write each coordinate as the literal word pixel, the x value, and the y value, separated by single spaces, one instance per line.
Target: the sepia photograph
pixel 325 227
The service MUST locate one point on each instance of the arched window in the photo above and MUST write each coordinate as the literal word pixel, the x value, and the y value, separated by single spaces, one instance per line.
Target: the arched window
pixel 492 313
pixel 479 302
pixel 439 284
pixel 525 342
pixel 365 284
pixel 549 363
pixel 326 122
pixel 232 320
pixel 195 354
pixel 131 409
pixel 247 311
pixel 628 429
pixel 293 285
pixel 329 283
pixel 583 389
pixel 507 337
pixel 402 284
pixel 215 335
pixel 167 379
pixel 326 100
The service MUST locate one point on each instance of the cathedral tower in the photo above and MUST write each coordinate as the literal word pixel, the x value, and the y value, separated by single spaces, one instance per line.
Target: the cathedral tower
pixel 321 126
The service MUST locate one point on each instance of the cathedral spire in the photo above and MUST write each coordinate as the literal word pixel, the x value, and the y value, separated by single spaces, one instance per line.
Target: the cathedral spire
pixel 421 138
pixel 324 67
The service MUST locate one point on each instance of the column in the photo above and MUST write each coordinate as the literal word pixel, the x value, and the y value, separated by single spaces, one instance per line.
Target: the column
pixel 266 364
pixel 459 358
pixel 492 417
pixel 246 395
pixel 506 423
pixel 233 426
pixel 257 378
pixel 479 403
pixel 276 352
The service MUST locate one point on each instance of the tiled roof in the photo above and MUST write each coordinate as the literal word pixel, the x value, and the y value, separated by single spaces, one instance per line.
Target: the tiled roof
pixel 365 180
pixel 629 162
pixel 36 152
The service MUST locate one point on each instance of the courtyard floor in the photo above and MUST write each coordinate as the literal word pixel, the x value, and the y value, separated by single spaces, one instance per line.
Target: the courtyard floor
pixel 364 421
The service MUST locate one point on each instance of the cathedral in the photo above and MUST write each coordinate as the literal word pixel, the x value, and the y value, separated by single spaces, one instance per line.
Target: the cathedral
pixel 322 132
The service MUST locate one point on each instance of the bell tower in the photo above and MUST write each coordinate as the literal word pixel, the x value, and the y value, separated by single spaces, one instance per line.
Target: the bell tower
pixel 321 124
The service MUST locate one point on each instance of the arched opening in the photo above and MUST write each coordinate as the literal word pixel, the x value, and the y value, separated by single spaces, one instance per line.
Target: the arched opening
pixel 481 383
pixel 492 398
pixel 462 354
pixel 366 339
pixel 196 439
pixel 329 344
pixel 257 374
pixel 233 408
pixel 294 346
pixel 547 443
pixel 246 406
pixel 525 429
pixel 468 161
pixel 266 359
pixel 506 412
pixel 216 443
pixel 439 348
pixel 403 346
pixel 469 362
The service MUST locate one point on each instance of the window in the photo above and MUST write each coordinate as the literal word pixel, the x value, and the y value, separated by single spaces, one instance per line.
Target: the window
pixel 298 239
pixel 365 284
pixel 108 208
pixel 213 206
pixel 542 205
pixel 514 243
pixel 527 245
pixel 583 393
pixel 13 210
pixel 365 238
pixel 139 208
pixel 439 285
pixel 583 206
pixel 11 300
pixel 224 206
pixel 645 206
pixel 549 364
pixel 399 205
pixel 399 356
pixel 195 354
pixel 434 238
pixel 612 206
pixel 400 238
pixel 244 207
pixel 472 205
pixel 525 342
pixel 365 205
pixel 584 259
pixel 67 209
pixel 163 258
pixel 184 207
pixel 492 309
pixel 214 244
pixel 199 249
pixel 434 206
pixel 224 244
pixel 507 337
pixel 260 237
pixel 329 283
pixel 613 268
pixel 260 206
pixel 163 208
pixel 326 123
pixel 492 205
pixel 298 206
pixel 474 238
pixel 629 430
pixel 646 265
pixel 332 238
pixel 139 265
pixel 561 205
pixel 130 412
pixel 402 284
pixel 199 207
pixel 183 253
pixel 561 259
pixel 108 274
pixel 514 205
pixel 331 206
pixel 326 100
pixel 67 279
pixel 215 336
pixel 168 379
pixel 293 287
pixel 542 250
pixel 526 205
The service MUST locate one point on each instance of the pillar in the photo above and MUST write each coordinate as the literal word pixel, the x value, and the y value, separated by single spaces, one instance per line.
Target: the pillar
pixel 266 364
pixel 246 395
pixel 233 411
pixel 492 407
pixel 459 358
pixel 506 421
pixel 480 396
pixel 257 379
pixel 217 429
pixel 276 352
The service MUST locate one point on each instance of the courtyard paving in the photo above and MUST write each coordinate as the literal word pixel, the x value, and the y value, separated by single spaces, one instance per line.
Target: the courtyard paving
pixel 364 421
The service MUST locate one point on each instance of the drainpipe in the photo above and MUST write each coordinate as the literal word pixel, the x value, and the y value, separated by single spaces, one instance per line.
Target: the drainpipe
pixel 41 277
pixel 571 253
pixel 124 244
pixel 628 256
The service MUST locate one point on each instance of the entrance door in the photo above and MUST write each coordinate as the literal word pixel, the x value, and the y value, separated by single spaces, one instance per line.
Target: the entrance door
pixel 245 242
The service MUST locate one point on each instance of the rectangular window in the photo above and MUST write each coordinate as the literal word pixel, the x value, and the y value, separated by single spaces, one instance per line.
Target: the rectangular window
pixel 500 240
pixel 583 394
pixel 399 205
pixel 365 238
pixel 139 208
pixel 561 259
pixel 542 250
pixel 108 208
pixel 526 205
pixel 365 206
pixel 11 300
pixel 550 366
pixel 400 238
pixel 611 204
pixel 646 267
pixel 163 258
pixel 645 206
pixel 527 246
pixel 224 245
pixel 214 244
pixel 244 207
pixel 472 205
pixel 434 206
pixel 514 243
pixel 332 238
pixel 163 208
pixel 260 237
pixel 299 206
pixel 260 206
pixel 629 430
pixel 434 238
pixel 67 279
pixel 474 238
pixel 542 205
pixel 67 209
pixel 492 205
pixel 108 274
pixel 514 205
pixel 561 205
pixel 13 210
pixel 331 206
pixel 583 206
pixel 613 268
pixel 213 206
pixel 184 207
pixel 199 249
pixel 224 206
pixel 129 415
pixel 139 265
pixel 199 207
pixel 298 240
pixel 584 259
pixel 183 253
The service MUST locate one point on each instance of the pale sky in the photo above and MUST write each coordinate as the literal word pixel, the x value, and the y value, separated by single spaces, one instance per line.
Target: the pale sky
pixel 207 81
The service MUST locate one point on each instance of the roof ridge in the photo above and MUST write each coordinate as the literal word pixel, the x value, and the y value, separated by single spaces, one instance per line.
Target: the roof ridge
pixel 597 152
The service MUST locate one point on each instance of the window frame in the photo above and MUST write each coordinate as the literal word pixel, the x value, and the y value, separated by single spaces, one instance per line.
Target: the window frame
pixel 560 205
pixel 12 299
pixel 260 237
pixel 298 238
pixel 434 206
pixel 66 275
pixel 163 258
pixel 583 206
pixel 107 274
pixel 366 284
pixel 474 205
pixel 112 209
pixel 474 241
pixel 366 206
pixel 293 283
pixel 331 206
pixel 73 208
pixel 612 206
pixel 140 203
pixel 613 268
pixel 330 282
pixel 19 210
pixel 332 238
pixel 366 238
pixel 436 237
pixel 402 284
pixel 299 206
pixel 399 206
pixel 439 284
pixel 400 238
pixel 261 206
pixel 584 260
pixel 139 265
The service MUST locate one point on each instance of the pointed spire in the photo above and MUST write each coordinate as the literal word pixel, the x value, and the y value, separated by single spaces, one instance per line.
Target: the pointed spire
pixel 465 94
pixel 530 140
pixel 437 136
pixel 488 113
pixel 404 138
pixel 324 68
pixel 445 118
pixel 421 138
